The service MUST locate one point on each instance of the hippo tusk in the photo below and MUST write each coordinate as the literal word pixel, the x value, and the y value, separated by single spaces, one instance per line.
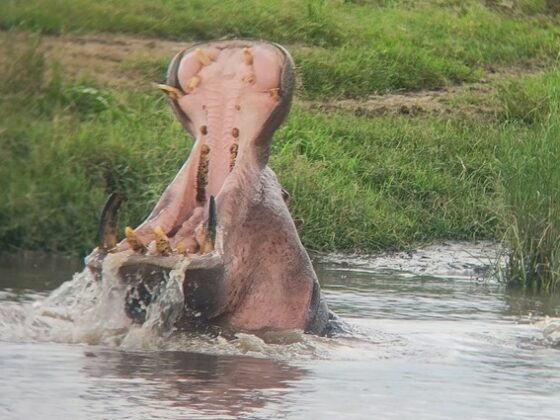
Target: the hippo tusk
pixel 107 231
pixel 133 240
pixel 210 238
pixel 172 92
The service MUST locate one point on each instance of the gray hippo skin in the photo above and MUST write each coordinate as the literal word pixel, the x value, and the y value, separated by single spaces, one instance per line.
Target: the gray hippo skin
pixel 224 217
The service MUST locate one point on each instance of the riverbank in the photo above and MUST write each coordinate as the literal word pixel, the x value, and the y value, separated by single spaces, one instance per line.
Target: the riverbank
pixel 403 132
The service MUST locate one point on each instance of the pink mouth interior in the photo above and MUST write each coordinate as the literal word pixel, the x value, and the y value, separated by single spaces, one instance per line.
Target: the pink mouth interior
pixel 229 93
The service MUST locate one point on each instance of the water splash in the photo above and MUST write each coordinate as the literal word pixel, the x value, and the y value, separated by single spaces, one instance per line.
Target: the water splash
pixel 86 311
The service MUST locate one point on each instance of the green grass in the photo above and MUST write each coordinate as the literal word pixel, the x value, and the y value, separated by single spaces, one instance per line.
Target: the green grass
pixel 531 182
pixel 387 183
pixel 358 183
pixel 343 48
pixel 532 99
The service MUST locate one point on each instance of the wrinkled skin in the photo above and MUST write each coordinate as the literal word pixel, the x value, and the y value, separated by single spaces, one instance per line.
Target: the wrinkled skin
pixel 247 269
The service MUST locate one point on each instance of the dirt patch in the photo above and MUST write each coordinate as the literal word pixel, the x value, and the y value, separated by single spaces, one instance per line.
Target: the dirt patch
pixel 469 99
pixel 125 61
pixel 101 57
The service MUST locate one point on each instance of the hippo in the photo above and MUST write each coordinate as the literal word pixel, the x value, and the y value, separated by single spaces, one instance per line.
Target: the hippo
pixel 224 219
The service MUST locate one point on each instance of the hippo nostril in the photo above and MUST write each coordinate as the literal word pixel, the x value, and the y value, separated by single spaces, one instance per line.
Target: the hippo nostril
pixel 204 130
pixel 235 132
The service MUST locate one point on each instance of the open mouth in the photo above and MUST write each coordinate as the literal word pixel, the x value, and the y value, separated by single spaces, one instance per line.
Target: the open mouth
pixel 230 96
pixel 221 233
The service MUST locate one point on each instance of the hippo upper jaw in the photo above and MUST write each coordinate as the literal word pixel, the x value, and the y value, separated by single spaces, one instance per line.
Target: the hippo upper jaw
pixel 224 212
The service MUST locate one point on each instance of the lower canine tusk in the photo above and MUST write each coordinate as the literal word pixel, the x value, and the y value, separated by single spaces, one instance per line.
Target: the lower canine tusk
pixel 133 240
pixel 171 91
pixel 162 241
pixel 107 231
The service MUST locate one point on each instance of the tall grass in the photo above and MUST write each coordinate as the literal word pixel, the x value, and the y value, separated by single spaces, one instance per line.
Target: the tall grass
pixel 531 179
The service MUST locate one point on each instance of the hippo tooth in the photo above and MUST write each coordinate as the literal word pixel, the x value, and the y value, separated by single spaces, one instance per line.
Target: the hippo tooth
pixel 133 240
pixel 162 241
pixel 107 231
pixel 274 93
pixel 172 92
pixel 210 236
pixel 247 56
pixel 181 248
pixel 202 57
pixel 249 78
pixel 202 173
pixel 233 155
pixel 193 83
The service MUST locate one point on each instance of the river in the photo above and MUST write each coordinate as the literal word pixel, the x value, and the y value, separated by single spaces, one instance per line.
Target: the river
pixel 433 335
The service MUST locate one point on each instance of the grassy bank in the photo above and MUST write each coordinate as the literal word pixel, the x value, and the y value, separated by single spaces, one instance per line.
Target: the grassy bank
pixel 391 181
pixel 358 183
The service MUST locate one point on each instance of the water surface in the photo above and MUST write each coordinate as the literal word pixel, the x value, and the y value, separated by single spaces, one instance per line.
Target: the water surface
pixel 433 337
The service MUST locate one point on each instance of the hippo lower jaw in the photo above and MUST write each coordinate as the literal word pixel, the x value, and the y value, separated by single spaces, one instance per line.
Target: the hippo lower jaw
pixel 224 214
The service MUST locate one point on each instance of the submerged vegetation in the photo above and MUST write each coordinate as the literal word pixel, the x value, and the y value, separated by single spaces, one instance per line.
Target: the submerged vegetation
pixel 484 167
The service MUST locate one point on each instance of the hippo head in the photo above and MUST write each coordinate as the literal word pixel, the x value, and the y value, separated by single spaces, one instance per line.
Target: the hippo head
pixel 224 217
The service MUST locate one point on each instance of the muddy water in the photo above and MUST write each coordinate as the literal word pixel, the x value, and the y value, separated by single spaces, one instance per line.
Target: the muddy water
pixel 432 337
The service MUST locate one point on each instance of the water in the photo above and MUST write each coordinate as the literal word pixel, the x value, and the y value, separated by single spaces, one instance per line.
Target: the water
pixel 433 337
